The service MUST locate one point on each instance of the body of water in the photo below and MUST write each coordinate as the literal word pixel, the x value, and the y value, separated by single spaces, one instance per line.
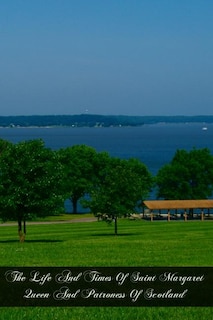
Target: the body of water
pixel 155 145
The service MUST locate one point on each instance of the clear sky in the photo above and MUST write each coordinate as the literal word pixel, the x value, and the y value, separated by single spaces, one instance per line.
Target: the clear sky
pixel 133 57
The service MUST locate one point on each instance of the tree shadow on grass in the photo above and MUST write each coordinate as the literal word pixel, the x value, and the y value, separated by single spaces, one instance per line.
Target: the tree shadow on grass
pixel 32 241
pixel 113 235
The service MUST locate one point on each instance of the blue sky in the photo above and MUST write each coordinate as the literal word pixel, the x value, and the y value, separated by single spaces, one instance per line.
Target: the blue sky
pixel 133 57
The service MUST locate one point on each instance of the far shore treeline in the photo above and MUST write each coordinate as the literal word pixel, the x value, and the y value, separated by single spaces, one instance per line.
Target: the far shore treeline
pixel 36 180
pixel 95 120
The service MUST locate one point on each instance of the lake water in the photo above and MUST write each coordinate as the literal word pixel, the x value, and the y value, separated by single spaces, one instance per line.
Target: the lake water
pixel 155 145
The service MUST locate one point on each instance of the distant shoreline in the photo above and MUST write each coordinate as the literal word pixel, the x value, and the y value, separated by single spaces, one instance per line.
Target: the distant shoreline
pixel 90 120
pixel 203 124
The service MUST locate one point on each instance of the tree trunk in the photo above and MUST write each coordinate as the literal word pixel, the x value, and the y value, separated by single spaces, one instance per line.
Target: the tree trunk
pixel 74 204
pixel 19 225
pixel 116 226
pixel 25 227
pixel 20 233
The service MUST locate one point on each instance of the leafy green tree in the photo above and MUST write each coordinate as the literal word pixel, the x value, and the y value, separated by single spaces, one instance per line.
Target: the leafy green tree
pixel 188 176
pixel 29 183
pixel 80 165
pixel 3 145
pixel 122 185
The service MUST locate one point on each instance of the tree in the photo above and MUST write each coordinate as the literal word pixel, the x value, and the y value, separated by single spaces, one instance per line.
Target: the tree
pixel 80 165
pixel 188 176
pixel 29 182
pixel 122 185
pixel 3 145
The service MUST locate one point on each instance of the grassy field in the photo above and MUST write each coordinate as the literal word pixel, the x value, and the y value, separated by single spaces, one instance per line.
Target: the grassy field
pixel 139 243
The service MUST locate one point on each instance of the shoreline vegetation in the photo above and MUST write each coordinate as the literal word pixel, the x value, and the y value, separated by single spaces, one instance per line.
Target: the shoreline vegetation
pixel 94 120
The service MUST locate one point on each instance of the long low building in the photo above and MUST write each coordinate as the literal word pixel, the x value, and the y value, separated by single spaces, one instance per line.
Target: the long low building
pixel 156 207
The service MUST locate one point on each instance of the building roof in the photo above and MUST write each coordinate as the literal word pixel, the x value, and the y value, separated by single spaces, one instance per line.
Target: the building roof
pixel 178 204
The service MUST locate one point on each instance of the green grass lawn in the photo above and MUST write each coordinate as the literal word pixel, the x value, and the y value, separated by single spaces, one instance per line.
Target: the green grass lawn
pixel 139 243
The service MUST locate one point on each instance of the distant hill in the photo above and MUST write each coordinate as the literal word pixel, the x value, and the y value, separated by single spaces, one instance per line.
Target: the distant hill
pixel 93 120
